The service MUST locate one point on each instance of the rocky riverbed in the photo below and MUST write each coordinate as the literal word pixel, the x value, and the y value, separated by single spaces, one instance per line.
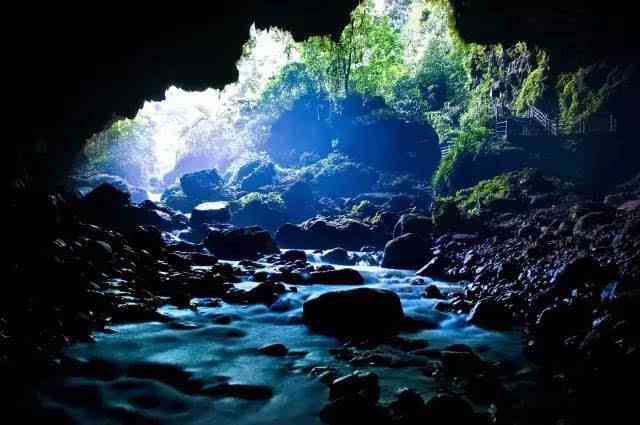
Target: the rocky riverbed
pixel 510 316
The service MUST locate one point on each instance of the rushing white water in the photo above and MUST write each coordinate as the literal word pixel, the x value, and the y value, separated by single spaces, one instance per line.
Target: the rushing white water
pixel 215 352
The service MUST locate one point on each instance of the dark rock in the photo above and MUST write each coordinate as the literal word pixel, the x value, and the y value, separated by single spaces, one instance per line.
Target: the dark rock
pixel 99 252
pixel 148 237
pixel 244 243
pixel 338 256
pixel 203 185
pixel 577 272
pixel 432 291
pixel 274 350
pixel 589 222
pixel 435 268
pixel 407 406
pixel 246 392
pixel 508 271
pixel 489 313
pixel 446 408
pixel 210 213
pixel 413 223
pixel 259 209
pixel 405 252
pixel 355 312
pixel 364 384
pixel 336 277
pixel 265 293
pixel 255 174
pixel 320 234
pixel 293 255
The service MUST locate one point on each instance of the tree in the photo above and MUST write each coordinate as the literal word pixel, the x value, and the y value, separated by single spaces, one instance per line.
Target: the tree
pixel 367 58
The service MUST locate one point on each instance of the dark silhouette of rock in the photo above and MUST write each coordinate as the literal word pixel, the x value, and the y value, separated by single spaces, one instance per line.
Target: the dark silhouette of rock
pixel 356 312
pixel 243 243
pixel 210 213
pixel 489 313
pixel 405 252
pixel 413 223
pixel 338 256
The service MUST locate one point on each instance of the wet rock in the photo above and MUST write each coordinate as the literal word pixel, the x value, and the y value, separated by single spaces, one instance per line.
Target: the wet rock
pixel 293 255
pixel 244 243
pixel 357 312
pixel 462 363
pixel 165 373
pixel 432 291
pixel 364 384
pixel 210 213
pixel 336 277
pixel 204 185
pixel 405 252
pixel 274 350
pixel 413 223
pixel 508 271
pixel 338 256
pixel 321 234
pixel 148 237
pixel 134 313
pixel 407 407
pixel 99 252
pixel 489 313
pixel 435 268
pixel 264 293
pixel 242 391
pixel 589 222
pixel 577 272
pixel 446 408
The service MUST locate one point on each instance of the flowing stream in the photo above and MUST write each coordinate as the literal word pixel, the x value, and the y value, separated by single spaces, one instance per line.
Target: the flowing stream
pixel 219 344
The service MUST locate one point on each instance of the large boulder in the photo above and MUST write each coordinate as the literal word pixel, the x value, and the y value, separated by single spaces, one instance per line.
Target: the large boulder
pixel 241 243
pixel 260 209
pixel 490 313
pixel 357 312
pixel 86 184
pixel 210 213
pixel 408 251
pixel 413 223
pixel 338 256
pixel 321 234
pixel 254 175
pixel 205 184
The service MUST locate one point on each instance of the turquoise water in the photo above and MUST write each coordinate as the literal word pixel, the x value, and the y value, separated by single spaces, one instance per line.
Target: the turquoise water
pixel 215 353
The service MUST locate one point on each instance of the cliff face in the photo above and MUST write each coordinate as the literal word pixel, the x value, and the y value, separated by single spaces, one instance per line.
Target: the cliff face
pixel 74 68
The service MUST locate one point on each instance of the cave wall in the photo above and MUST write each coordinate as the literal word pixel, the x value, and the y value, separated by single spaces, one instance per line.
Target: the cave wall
pixel 73 68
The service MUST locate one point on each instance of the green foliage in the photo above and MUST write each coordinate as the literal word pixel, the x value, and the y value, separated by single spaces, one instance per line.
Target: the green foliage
pixel 363 209
pixel 367 58
pixel 123 149
pixel 481 195
pixel 270 199
pixel 466 146
pixel 586 92
pixel 533 86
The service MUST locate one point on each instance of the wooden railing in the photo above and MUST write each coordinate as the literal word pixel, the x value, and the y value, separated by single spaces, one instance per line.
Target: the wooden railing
pixel 536 122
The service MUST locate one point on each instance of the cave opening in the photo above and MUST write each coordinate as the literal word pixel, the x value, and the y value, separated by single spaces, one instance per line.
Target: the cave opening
pixel 386 212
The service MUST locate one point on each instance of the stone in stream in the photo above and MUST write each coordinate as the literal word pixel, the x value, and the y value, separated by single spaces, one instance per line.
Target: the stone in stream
pixel 357 312
pixel 242 243
pixel 210 213
pixel 243 391
pixel 274 350
pixel 353 399
pixel 435 268
pixel 293 255
pixel 432 291
pixel 489 313
pixel 449 409
pixel 336 277
pixel 338 256
pixel 408 251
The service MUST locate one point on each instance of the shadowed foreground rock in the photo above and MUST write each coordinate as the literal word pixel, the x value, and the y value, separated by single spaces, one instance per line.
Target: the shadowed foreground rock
pixel 357 312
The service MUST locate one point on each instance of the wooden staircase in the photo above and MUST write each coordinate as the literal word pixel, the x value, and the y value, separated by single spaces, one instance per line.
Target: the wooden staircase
pixel 535 122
